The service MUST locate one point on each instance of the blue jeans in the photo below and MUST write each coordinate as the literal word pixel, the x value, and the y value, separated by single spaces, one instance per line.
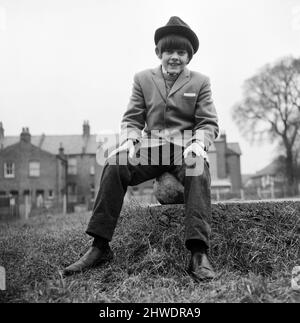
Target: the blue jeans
pixel 116 178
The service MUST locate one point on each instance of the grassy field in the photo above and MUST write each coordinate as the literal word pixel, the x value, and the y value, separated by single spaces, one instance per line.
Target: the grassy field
pixel 150 261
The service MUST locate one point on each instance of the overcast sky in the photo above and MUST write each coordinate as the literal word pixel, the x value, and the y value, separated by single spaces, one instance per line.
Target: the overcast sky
pixel 65 61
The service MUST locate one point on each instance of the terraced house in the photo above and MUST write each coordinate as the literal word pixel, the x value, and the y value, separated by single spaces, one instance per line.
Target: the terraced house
pixel 45 169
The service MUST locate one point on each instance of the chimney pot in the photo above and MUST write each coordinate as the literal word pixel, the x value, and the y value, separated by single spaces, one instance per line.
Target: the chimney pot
pixel 61 149
pixel 86 128
pixel 25 135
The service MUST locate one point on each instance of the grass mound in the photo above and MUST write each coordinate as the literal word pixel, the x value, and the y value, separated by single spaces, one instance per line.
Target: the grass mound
pixel 145 242
pixel 263 238
pixel 256 238
pixel 253 248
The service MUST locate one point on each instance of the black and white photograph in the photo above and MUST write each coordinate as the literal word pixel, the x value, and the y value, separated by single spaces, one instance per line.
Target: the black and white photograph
pixel 149 155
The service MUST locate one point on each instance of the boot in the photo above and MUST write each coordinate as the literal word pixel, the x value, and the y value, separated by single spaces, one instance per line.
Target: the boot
pixel 200 267
pixel 93 257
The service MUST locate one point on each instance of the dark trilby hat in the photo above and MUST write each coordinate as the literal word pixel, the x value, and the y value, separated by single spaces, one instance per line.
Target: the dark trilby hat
pixel 178 27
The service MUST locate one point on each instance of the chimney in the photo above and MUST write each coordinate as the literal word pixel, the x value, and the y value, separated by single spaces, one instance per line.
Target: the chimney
pixel 25 135
pixel 223 135
pixel 1 131
pixel 86 128
pixel 61 150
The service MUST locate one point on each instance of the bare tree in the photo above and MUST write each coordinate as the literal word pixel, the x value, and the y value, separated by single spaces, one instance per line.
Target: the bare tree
pixel 271 109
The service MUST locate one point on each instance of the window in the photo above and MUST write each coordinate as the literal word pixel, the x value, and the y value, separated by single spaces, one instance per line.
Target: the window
pixel 266 181
pixel 39 192
pixel 9 170
pixel 72 193
pixel 34 169
pixel 72 189
pixel 72 166
pixel 50 194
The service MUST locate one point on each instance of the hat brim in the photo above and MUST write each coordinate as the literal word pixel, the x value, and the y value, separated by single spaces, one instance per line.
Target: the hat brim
pixel 178 30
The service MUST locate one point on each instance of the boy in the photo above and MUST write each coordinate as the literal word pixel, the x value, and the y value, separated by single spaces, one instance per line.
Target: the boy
pixel 165 103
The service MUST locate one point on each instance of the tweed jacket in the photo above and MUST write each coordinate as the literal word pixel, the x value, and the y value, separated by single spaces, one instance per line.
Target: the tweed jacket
pixel 188 106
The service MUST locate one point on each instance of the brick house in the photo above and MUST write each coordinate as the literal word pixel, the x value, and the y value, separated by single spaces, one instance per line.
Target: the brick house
pixel 63 163
pixel 225 166
pixel 269 182
pixel 67 164
pixel 29 171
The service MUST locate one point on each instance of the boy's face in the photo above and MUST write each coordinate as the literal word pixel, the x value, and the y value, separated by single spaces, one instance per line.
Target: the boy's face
pixel 174 60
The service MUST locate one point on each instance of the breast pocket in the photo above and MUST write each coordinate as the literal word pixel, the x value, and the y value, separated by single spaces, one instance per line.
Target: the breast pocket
pixel 189 95
pixel 189 103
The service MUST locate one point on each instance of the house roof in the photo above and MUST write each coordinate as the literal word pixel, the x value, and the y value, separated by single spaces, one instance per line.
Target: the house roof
pixel 270 169
pixel 72 144
pixel 17 145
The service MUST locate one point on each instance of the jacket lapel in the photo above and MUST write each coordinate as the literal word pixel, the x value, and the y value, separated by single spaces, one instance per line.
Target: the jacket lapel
pixel 159 82
pixel 182 79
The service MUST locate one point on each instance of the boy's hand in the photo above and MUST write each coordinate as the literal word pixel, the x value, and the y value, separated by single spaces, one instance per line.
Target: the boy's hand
pixel 195 148
pixel 128 145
